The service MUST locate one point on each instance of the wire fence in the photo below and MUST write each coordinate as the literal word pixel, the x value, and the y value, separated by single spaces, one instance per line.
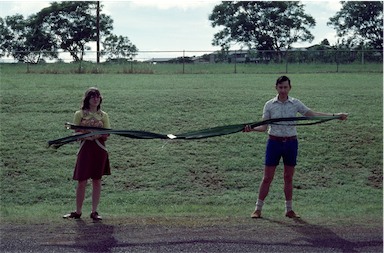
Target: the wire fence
pixel 233 61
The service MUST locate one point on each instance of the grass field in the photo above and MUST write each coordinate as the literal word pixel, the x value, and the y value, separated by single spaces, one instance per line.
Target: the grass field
pixel 339 172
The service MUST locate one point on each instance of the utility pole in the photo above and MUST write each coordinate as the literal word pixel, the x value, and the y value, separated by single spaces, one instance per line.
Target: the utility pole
pixel 98 32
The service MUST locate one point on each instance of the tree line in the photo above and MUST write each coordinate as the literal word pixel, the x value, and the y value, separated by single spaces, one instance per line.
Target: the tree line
pixel 68 26
pixel 274 26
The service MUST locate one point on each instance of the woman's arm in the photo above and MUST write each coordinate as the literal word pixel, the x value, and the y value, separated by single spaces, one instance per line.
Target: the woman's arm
pixel 106 124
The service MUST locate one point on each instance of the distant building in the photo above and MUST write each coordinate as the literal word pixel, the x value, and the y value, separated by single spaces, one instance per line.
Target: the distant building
pixel 159 60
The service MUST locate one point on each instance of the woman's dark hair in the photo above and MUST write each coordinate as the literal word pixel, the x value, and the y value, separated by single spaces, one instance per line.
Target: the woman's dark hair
pixel 283 79
pixel 87 96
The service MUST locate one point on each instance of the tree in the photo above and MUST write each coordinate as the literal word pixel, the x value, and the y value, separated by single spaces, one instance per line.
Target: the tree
pixel 69 26
pixel 325 42
pixel 5 37
pixel 72 24
pixel 264 25
pixel 118 47
pixel 21 40
pixel 360 22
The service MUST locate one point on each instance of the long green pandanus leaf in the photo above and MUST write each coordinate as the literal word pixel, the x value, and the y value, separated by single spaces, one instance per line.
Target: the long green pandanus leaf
pixel 204 133
pixel 230 129
pixel 102 131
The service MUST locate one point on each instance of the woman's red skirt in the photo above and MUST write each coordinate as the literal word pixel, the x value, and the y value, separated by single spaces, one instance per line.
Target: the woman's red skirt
pixel 92 161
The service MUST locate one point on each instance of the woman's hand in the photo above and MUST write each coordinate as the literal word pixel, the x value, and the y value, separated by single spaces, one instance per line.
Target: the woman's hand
pixel 104 137
pixel 88 138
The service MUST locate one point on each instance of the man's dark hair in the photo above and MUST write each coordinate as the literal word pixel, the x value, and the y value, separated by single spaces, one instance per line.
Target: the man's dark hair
pixel 283 79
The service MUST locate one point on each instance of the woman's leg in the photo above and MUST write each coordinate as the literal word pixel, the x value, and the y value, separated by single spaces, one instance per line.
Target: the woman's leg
pixel 80 195
pixel 96 192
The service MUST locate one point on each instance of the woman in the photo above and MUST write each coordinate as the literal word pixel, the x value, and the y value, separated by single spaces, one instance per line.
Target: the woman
pixel 92 158
pixel 282 142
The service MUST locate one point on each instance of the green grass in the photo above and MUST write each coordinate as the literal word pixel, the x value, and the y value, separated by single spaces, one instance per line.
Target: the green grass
pixel 339 172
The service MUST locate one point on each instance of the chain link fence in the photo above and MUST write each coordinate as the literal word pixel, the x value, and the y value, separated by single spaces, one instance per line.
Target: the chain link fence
pixel 233 61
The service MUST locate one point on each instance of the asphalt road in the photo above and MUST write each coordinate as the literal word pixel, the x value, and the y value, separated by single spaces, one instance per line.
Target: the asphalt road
pixel 191 235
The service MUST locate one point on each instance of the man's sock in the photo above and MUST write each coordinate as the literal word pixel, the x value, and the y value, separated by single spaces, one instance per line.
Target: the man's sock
pixel 288 205
pixel 259 204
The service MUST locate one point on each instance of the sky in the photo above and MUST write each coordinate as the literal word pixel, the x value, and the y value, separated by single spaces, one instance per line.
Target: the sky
pixel 175 25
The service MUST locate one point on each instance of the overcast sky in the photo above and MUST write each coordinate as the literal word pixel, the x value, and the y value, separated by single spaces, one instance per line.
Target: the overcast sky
pixel 175 25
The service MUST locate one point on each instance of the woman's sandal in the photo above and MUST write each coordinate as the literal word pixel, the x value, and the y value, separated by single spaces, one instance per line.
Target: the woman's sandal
pixel 95 216
pixel 72 215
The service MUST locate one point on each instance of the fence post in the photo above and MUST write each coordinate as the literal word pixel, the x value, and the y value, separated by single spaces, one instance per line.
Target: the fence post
pixel 286 62
pixel 98 32
pixel 235 62
pixel 131 65
pixel 337 61
pixel 183 61
pixel 80 67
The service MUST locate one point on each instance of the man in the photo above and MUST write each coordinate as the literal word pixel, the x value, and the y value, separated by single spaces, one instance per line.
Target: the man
pixel 282 142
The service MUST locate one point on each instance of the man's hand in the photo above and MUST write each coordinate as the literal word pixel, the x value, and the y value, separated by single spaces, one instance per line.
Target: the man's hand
pixel 342 115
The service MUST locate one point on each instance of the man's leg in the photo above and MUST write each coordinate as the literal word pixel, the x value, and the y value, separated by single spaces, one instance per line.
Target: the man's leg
pixel 269 173
pixel 289 171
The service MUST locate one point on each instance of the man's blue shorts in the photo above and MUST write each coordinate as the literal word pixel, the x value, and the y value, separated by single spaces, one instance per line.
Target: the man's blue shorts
pixel 286 149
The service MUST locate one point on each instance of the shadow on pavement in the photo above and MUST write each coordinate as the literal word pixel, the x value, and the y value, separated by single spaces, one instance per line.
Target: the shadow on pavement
pixel 320 237
pixel 306 237
pixel 94 237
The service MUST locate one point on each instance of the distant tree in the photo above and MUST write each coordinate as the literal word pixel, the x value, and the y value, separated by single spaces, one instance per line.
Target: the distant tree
pixel 360 22
pixel 325 42
pixel 21 40
pixel 263 25
pixel 72 24
pixel 68 25
pixel 5 38
pixel 118 47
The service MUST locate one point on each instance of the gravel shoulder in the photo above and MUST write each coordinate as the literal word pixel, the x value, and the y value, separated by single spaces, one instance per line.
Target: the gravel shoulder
pixel 192 234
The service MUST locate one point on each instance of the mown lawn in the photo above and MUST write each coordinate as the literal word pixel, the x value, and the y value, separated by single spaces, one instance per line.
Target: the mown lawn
pixel 340 163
